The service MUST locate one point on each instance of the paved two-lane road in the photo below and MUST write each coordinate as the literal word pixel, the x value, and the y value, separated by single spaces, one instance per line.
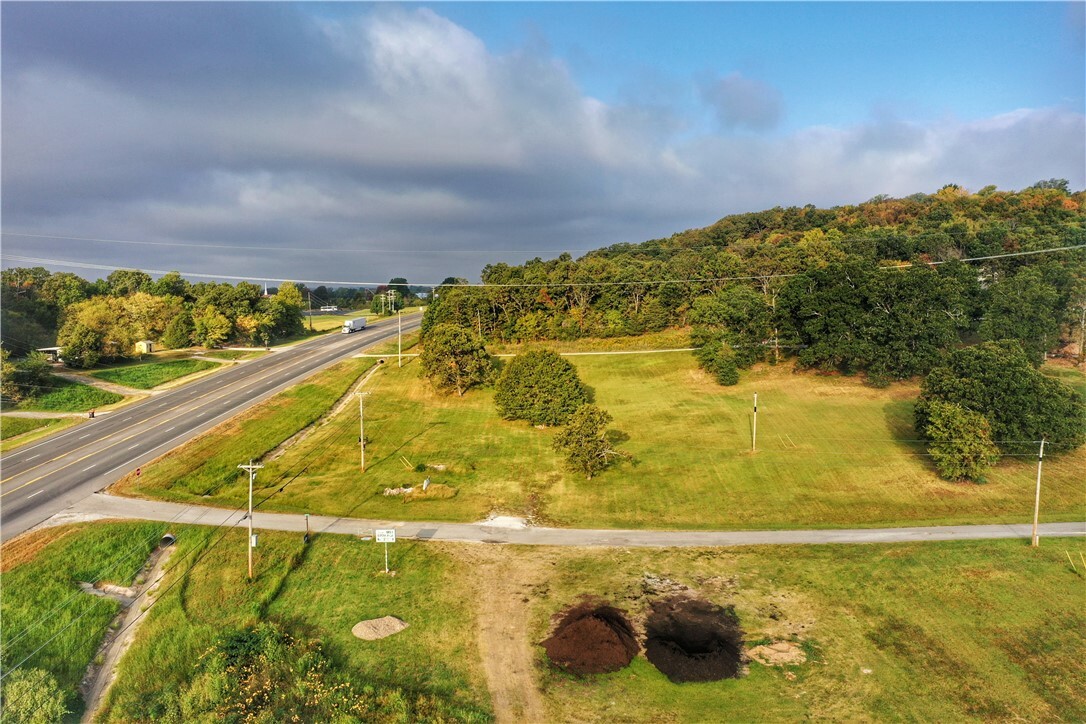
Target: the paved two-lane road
pixel 39 480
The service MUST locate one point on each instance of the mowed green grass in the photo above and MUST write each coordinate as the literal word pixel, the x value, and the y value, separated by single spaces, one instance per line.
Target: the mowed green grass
pixel 49 623
pixel 832 452
pixel 68 396
pixel 234 354
pixel 148 376
pixel 12 426
pixel 960 631
pixel 320 591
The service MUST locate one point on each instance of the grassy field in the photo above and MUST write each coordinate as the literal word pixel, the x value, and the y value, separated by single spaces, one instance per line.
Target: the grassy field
pixel 148 376
pixel 917 632
pixel 42 606
pixel 911 632
pixel 67 396
pixel 321 590
pixel 832 453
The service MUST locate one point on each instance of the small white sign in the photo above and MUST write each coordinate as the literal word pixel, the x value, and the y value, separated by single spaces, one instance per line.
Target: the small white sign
pixel 252 541
pixel 385 536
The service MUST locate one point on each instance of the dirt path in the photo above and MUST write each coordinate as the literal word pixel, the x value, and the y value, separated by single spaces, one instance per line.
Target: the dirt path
pixel 99 678
pixel 504 590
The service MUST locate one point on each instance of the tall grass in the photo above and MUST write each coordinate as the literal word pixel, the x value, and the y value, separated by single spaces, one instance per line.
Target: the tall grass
pixel 46 617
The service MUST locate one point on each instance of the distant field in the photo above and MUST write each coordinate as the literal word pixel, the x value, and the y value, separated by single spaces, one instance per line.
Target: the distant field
pixel 67 396
pixel 933 632
pixel 148 376
pixel 832 453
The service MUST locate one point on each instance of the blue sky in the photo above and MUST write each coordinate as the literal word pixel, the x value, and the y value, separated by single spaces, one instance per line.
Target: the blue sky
pixel 428 140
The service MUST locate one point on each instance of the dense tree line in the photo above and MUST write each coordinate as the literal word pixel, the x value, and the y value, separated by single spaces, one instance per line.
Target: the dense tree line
pixel 104 319
pixel 874 287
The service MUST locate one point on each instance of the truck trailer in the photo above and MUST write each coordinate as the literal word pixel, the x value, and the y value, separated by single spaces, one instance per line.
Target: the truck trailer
pixel 354 325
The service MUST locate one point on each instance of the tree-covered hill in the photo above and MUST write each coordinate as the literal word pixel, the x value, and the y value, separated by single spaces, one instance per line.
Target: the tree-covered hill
pixel 879 286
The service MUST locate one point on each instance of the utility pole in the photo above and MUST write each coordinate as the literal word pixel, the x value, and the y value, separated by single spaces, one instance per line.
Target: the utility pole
pixel 361 431
pixel 399 338
pixel 754 432
pixel 310 309
pixel 1037 499
pixel 252 475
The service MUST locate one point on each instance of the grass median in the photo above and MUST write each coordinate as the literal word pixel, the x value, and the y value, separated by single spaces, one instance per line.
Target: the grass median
pixel 148 376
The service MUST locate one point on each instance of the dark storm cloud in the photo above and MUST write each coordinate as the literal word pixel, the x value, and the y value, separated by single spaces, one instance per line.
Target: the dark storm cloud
pixel 397 137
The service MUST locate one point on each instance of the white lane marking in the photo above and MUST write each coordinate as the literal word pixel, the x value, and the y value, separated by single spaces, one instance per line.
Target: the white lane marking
pixel 86 469
pixel 135 446
pixel 169 428
pixel 37 493
pixel 83 438
pixel 32 457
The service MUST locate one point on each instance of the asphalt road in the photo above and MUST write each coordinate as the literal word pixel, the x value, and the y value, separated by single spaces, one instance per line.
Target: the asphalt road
pixel 39 480
pixel 110 506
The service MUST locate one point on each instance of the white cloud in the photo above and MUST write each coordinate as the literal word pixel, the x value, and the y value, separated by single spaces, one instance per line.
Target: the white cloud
pixel 428 140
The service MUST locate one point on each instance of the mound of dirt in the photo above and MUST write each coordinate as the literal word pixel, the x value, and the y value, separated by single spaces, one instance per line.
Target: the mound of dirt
pixel 378 628
pixel 592 637
pixel 781 653
pixel 691 639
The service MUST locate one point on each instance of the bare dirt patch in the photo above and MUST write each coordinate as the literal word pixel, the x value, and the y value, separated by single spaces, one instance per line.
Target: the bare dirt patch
pixel 780 653
pixel 690 639
pixel 378 628
pixel 592 637
pixel 504 586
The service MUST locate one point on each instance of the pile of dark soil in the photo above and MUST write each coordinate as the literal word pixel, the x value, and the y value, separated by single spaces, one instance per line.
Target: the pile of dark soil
pixel 592 637
pixel 694 640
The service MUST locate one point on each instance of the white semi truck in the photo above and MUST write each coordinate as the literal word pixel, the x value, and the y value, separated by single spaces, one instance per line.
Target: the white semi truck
pixel 354 325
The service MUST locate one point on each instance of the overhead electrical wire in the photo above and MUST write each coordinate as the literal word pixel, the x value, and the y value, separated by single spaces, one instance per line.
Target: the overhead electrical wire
pixel 563 283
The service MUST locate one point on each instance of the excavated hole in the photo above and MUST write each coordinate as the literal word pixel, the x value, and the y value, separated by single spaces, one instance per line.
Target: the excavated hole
pixel 690 639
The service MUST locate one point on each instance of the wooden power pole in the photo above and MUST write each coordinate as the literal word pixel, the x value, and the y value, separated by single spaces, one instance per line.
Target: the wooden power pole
pixel 1037 499
pixel 251 469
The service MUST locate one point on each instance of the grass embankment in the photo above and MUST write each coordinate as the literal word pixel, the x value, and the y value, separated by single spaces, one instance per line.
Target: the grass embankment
pixel 206 471
pixel 17 431
pixel 320 591
pixel 910 632
pixel 42 605
pixel 148 376
pixel 64 395
pixel 234 354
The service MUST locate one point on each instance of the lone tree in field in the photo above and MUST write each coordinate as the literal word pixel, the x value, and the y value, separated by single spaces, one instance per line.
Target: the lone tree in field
pixel 961 442
pixel 585 441
pixel 718 359
pixel 540 387
pixel 454 359
pixel 1022 404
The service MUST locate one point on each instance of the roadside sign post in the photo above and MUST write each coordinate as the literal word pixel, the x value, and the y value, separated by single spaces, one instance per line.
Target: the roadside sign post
pixel 385 536
pixel 754 432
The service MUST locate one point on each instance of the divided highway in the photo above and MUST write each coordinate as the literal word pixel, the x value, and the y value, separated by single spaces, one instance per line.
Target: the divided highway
pixel 39 480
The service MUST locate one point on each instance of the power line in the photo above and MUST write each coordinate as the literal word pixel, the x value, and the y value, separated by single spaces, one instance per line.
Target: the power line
pixel 557 283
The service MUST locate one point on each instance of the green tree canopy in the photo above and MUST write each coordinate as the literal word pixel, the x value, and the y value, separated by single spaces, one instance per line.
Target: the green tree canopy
pixel 961 441
pixel 585 442
pixel 540 387
pixel 454 359
pixel 1022 405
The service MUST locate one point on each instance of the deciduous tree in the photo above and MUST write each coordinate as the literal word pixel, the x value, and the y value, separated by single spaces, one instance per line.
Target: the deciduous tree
pixel 585 442
pixel 454 359
pixel 540 387
pixel 961 442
